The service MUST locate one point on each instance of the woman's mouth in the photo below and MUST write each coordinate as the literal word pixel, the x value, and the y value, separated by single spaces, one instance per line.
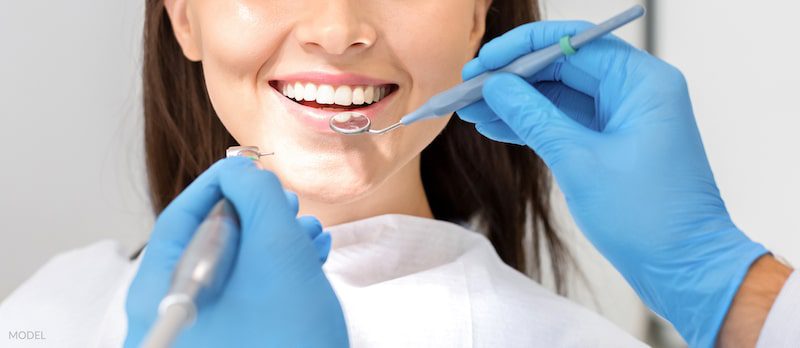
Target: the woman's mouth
pixel 317 102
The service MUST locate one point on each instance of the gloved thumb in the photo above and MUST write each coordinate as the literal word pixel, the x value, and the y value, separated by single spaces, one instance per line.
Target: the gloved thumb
pixel 533 117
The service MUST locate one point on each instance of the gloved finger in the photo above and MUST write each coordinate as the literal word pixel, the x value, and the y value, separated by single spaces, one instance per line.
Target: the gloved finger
pixel 294 203
pixel 498 130
pixel 313 228
pixel 477 112
pixel 518 42
pixel 582 71
pixel 266 214
pixel 531 116
pixel 575 104
pixel 525 39
pixel 323 245
pixel 272 241
pixel 475 67
pixel 538 35
pixel 311 225
pixel 472 68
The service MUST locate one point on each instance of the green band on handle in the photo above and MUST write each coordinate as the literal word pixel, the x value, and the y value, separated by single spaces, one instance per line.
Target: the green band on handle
pixel 566 46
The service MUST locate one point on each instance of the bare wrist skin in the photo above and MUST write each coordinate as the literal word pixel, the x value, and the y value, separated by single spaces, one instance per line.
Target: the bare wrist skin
pixel 752 303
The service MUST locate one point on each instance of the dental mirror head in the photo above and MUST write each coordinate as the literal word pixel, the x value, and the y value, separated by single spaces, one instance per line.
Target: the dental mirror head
pixel 350 123
pixel 246 151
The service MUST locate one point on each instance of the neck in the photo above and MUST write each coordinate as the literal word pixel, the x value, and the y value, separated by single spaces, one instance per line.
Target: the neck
pixel 402 193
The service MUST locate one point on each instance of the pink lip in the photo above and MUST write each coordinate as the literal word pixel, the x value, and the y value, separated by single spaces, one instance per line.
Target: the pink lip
pixel 332 79
pixel 318 119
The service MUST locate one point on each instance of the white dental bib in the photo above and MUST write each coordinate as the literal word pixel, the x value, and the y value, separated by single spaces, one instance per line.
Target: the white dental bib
pixel 403 282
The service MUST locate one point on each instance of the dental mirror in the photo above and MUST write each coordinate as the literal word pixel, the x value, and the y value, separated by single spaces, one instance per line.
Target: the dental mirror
pixel 246 151
pixel 350 123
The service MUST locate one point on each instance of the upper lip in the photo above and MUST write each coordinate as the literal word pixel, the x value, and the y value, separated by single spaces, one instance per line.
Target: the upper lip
pixel 348 79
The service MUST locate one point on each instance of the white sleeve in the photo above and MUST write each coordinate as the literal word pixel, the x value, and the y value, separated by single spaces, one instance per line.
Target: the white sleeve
pixel 780 329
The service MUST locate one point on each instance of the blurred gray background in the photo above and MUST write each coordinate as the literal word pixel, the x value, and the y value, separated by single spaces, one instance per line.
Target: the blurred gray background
pixel 72 127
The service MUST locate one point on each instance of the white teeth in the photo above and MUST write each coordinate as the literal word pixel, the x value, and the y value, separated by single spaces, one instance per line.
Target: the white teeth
pixel 369 93
pixel 342 117
pixel 325 94
pixel 358 95
pixel 289 91
pixel 299 92
pixel 339 95
pixel 344 96
pixel 310 92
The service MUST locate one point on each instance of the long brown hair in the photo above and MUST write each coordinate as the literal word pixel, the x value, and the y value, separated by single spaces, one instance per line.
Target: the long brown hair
pixel 465 175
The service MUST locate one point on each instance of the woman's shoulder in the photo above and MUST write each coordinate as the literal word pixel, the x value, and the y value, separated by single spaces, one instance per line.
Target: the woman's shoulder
pixel 68 298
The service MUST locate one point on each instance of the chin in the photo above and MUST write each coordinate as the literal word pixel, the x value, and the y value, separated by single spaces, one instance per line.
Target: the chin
pixel 327 183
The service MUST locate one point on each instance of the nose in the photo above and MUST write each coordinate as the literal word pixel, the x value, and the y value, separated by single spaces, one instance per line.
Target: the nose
pixel 335 27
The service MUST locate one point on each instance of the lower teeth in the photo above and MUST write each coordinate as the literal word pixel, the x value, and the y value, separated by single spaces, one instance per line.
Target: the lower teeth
pixel 334 107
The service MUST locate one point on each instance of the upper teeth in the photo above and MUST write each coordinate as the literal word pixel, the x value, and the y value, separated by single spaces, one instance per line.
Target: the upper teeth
pixel 340 95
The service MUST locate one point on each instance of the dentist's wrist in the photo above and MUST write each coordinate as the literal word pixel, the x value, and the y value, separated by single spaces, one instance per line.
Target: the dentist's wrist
pixel 752 303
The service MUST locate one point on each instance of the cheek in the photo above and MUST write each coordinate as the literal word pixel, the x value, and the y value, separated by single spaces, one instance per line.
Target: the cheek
pixel 237 41
pixel 432 56
pixel 241 36
pixel 433 45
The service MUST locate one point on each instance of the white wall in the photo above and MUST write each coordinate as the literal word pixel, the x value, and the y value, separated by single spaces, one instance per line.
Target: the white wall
pixel 743 67
pixel 71 130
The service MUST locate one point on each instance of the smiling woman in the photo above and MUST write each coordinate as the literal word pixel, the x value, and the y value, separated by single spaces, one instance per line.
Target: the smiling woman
pixel 454 171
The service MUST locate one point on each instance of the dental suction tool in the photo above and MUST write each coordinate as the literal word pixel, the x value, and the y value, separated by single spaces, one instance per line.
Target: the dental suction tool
pixel 202 269
pixel 469 91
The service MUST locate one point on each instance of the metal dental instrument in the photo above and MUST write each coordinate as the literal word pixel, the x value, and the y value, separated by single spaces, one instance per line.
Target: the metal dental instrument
pixel 246 151
pixel 203 267
pixel 469 91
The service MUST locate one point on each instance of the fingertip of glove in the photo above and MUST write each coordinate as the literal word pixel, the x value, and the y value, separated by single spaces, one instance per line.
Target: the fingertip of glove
pixel 293 200
pixel 311 222
pixel 471 69
pixel 323 244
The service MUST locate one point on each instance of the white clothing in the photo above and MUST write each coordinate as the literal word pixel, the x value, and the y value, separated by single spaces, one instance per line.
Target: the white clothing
pixel 781 328
pixel 402 281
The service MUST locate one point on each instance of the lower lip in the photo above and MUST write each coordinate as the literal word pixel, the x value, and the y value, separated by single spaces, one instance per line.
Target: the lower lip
pixel 318 119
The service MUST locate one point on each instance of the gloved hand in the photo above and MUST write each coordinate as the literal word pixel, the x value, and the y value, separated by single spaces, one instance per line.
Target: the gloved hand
pixel 276 294
pixel 616 128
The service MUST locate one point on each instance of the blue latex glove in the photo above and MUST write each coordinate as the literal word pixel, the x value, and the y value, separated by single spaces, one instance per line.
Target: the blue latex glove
pixel 616 128
pixel 276 294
